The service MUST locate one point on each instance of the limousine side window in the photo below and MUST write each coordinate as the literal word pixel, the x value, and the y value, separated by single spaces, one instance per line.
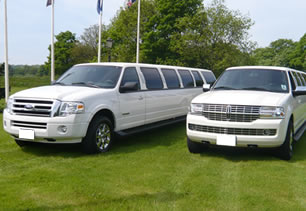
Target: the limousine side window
pixel 171 78
pixel 292 81
pixel 186 78
pixel 209 77
pixel 197 77
pixel 152 77
pixel 304 76
pixel 298 80
pixel 302 79
pixel 130 75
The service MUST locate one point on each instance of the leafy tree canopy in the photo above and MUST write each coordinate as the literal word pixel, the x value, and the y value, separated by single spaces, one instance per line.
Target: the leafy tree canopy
pixel 65 42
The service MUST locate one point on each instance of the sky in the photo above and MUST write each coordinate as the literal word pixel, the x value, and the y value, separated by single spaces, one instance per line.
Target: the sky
pixel 29 22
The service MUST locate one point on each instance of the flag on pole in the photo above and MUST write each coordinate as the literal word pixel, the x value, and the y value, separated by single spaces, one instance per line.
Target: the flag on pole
pixel 130 3
pixel 49 2
pixel 99 6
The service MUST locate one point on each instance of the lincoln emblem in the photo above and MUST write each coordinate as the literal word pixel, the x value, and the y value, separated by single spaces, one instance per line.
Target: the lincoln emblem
pixel 228 112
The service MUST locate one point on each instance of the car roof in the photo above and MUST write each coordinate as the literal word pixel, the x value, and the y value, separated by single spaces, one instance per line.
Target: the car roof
pixel 261 67
pixel 123 64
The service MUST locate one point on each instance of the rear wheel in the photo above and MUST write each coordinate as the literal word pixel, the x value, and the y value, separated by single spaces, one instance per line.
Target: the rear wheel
pixel 99 135
pixel 286 150
pixel 195 147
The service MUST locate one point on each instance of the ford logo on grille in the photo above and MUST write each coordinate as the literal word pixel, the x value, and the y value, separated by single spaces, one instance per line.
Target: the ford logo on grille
pixel 29 107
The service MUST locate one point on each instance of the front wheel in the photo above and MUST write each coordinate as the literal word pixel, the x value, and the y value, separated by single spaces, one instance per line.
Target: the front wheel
pixel 286 150
pixel 99 135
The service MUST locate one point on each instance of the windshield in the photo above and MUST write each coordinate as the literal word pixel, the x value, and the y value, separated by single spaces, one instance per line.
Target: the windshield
pixel 253 79
pixel 91 75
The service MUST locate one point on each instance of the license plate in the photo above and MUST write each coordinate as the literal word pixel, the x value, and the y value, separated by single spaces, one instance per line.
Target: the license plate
pixel 26 134
pixel 226 140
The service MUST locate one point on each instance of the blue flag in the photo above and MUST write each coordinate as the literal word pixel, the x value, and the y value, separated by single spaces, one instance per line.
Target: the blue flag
pixel 100 6
pixel 49 2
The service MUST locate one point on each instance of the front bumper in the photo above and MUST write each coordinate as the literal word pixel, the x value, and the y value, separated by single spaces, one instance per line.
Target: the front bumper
pixel 242 140
pixel 76 127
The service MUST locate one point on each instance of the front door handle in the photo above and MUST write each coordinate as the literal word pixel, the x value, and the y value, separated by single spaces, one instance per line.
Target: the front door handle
pixel 140 98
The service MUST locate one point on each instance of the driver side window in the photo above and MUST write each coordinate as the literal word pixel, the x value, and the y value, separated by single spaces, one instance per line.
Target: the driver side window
pixel 130 75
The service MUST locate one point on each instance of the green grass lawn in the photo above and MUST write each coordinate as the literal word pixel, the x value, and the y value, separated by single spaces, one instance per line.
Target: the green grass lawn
pixel 149 171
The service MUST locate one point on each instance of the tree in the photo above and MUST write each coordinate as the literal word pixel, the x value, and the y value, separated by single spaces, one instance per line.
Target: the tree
pixel 65 42
pixel 123 30
pixel 163 26
pixel 276 54
pixel 2 69
pixel 214 38
pixel 298 55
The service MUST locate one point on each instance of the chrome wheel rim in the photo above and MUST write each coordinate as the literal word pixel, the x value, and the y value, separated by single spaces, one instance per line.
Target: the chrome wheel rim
pixel 103 136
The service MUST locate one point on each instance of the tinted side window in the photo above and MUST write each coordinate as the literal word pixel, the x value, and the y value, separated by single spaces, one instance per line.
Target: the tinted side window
pixel 296 79
pixel 186 78
pixel 293 86
pixel 302 79
pixel 171 78
pixel 152 77
pixel 130 75
pixel 209 77
pixel 304 75
pixel 197 77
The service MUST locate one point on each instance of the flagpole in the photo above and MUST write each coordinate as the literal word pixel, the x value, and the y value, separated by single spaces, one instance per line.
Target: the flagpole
pixel 7 88
pixel 52 41
pixel 100 37
pixel 138 32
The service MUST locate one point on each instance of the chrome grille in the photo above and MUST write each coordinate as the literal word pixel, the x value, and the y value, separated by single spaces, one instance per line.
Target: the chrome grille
pixel 33 125
pixel 233 131
pixel 231 113
pixel 39 108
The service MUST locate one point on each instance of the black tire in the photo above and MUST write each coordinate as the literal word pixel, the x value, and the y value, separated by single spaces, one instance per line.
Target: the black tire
pixel 195 147
pixel 99 137
pixel 286 149
pixel 22 143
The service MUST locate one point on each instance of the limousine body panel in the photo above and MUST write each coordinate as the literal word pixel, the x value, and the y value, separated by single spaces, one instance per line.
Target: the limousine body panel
pixel 95 93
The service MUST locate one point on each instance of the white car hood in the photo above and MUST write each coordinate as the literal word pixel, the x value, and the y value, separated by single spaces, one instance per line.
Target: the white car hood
pixel 68 93
pixel 243 97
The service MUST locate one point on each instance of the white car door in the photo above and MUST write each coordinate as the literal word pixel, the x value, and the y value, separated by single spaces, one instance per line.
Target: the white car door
pixel 132 102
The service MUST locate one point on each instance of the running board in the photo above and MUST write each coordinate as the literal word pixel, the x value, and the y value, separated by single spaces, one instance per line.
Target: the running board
pixel 300 132
pixel 150 126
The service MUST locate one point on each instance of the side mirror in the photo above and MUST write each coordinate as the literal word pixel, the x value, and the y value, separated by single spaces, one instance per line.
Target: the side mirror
pixel 128 87
pixel 53 82
pixel 206 87
pixel 299 91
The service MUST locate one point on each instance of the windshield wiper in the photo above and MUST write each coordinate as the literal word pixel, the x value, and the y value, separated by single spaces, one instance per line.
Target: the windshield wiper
pixel 59 83
pixel 256 88
pixel 224 88
pixel 86 84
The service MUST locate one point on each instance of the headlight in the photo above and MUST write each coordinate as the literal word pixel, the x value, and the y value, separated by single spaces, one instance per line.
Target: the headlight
pixel 9 105
pixel 68 108
pixel 196 108
pixel 272 112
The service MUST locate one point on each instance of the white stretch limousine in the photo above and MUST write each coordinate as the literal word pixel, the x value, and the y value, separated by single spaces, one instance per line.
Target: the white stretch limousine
pixel 250 107
pixel 90 102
